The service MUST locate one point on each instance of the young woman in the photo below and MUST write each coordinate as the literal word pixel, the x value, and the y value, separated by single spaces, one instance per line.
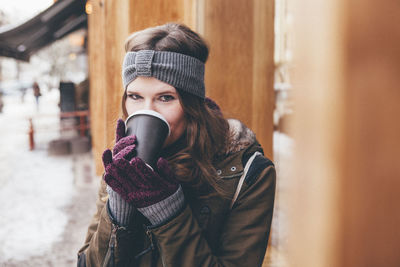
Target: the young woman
pixel 209 201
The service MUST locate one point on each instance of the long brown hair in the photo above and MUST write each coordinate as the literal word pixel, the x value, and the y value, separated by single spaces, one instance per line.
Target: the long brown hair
pixel 207 132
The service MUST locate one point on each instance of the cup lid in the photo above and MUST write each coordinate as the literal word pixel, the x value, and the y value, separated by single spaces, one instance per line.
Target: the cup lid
pixel 151 113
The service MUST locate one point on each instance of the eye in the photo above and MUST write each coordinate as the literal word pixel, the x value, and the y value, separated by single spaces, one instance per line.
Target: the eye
pixel 134 96
pixel 166 98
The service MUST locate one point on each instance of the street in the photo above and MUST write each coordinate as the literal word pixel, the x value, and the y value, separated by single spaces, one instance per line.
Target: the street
pixel 46 201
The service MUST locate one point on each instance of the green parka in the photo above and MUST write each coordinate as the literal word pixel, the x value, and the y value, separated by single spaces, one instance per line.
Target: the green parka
pixel 208 231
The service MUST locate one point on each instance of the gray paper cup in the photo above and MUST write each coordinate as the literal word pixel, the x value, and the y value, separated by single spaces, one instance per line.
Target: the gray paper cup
pixel 151 130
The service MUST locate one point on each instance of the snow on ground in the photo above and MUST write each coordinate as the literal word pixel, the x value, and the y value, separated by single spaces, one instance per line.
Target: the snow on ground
pixel 36 189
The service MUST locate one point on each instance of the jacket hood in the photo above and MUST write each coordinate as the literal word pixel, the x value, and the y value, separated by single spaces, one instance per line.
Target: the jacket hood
pixel 241 136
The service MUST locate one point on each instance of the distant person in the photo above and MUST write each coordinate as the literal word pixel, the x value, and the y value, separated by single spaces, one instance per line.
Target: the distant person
pixel 209 200
pixel 23 93
pixel 36 93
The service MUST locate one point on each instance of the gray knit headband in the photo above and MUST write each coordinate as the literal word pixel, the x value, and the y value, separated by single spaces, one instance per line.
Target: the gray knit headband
pixel 181 71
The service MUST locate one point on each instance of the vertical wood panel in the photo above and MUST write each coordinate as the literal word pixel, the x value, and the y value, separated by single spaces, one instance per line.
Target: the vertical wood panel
pixel 346 185
pixel 97 62
pixel 230 65
pixel 239 73
pixel 263 99
pixel 156 12
pixel 117 29
pixel 318 131
pixel 372 182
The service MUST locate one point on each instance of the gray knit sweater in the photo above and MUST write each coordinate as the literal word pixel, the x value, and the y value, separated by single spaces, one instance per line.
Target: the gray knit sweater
pixel 122 211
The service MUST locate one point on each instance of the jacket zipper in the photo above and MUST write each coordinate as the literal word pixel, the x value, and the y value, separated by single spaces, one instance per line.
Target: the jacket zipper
pixel 150 235
pixel 109 259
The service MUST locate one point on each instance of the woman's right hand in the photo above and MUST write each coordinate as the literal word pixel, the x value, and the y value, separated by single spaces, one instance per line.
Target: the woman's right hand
pixel 124 150
pixel 131 178
pixel 124 145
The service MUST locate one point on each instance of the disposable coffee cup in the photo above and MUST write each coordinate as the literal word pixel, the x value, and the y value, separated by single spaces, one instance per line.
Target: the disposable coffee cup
pixel 151 130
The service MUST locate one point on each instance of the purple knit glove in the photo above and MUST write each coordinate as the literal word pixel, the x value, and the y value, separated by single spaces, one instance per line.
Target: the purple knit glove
pixel 127 144
pixel 137 183
pixel 124 149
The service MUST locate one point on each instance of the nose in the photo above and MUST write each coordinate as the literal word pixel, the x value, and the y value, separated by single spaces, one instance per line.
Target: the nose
pixel 148 104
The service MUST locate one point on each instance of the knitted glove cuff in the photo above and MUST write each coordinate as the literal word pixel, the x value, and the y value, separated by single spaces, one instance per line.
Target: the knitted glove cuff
pixel 165 209
pixel 121 211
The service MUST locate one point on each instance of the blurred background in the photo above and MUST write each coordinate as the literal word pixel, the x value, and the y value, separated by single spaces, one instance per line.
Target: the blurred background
pixel 317 81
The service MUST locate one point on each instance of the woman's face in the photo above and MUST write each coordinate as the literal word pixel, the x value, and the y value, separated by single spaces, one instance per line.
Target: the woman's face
pixel 152 94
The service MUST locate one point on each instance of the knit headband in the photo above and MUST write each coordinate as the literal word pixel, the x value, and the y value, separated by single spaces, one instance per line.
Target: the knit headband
pixel 183 72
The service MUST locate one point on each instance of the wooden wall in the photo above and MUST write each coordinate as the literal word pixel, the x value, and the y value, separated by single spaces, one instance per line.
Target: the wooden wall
pixel 98 80
pixel 239 73
pixel 346 187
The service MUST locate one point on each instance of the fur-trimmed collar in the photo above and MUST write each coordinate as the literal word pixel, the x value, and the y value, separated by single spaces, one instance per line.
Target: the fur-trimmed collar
pixel 241 137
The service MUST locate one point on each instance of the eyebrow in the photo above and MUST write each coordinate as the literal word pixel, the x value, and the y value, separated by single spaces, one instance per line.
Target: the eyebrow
pixel 160 93
pixel 167 92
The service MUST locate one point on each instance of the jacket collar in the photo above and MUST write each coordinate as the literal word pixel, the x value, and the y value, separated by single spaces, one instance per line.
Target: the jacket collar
pixel 242 142
pixel 241 137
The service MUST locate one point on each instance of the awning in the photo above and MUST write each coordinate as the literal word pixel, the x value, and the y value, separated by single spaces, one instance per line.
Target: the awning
pixel 60 19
